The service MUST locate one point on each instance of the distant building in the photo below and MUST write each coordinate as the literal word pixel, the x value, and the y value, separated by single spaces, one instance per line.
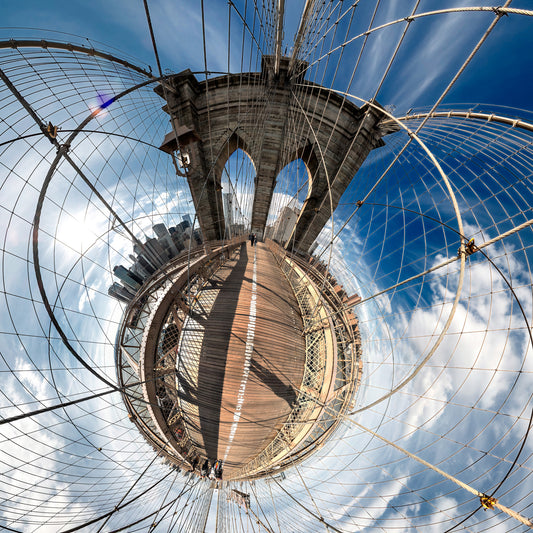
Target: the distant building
pixel 152 255
pixel 164 238
pixel 140 268
pixel 285 224
pixel 157 253
pixel 160 230
pixel 237 229
pixel 120 293
pixel 197 235
pixel 227 201
pixel 128 277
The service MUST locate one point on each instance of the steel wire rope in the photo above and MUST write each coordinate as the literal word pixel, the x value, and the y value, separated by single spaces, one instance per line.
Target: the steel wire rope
pixel 120 506
pixel 413 134
pixel 338 114
pixel 292 142
pixel 436 219
pixel 318 518
pixel 322 159
pixel 274 506
pixel 74 423
pixel 245 24
pixel 318 18
pixel 517 377
pixel 163 505
pixel 170 111
pixel 211 170
pixel 191 508
pixel 409 19
pixel 495 156
pixel 462 263
pixel 267 528
pixel 522 446
pixel 244 187
pixel 439 471
pixel 458 216
pixel 294 465
pixel 287 143
pixel 498 11
pixel 177 515
pixel 15 43
pixel 165 89
pixel 62 153
pixel 30 413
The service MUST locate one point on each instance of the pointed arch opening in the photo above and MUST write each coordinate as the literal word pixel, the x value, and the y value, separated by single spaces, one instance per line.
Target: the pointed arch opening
pixel 293 187
pixel 237 178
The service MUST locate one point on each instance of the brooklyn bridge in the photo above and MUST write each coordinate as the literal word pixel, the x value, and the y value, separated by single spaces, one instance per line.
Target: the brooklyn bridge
pixel 277 284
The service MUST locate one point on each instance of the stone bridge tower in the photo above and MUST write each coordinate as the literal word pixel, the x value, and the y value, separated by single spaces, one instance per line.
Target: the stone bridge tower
pixel 214 118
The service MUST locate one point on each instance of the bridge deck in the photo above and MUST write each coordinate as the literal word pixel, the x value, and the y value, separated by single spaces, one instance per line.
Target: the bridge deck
pixel 246 327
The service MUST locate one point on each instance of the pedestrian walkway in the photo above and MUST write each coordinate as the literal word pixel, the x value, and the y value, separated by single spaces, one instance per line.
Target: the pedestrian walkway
pixel 247 331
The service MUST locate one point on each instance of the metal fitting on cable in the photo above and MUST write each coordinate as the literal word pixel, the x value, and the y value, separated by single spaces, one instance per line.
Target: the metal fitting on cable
pixel 499 12
pixel 63 149
pixel 487 501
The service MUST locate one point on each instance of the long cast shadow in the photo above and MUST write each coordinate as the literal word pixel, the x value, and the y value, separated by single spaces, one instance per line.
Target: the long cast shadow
pixel 271 378
pixel 212 367
pixel 274 383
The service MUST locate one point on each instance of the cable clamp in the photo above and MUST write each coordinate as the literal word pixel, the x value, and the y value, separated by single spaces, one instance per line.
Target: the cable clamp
pixel 499 11
pixel 487 501
pixel 470 248
pixel 63 149
pixel 51 131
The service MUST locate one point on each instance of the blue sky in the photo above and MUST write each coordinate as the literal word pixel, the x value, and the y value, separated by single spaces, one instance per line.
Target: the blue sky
pixel 121 24
pixel 473 395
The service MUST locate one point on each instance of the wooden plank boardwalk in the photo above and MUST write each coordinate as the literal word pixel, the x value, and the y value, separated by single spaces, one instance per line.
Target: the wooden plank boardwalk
pixel 250 358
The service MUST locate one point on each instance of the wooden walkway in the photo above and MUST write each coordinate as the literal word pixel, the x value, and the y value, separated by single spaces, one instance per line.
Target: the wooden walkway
pixel 250 353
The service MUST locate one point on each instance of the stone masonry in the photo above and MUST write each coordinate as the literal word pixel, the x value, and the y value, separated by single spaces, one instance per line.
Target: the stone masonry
pixel 275 120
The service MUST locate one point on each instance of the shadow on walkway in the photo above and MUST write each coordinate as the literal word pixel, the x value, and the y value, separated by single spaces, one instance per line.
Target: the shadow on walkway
pixel 274 383
pixel 215 347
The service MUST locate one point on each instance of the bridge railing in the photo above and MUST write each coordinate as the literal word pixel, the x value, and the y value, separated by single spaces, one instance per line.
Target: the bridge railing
pixel 148 406
pixel 332 368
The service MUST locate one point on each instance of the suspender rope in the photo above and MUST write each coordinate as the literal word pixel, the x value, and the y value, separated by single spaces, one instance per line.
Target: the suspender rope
pixel 486 501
